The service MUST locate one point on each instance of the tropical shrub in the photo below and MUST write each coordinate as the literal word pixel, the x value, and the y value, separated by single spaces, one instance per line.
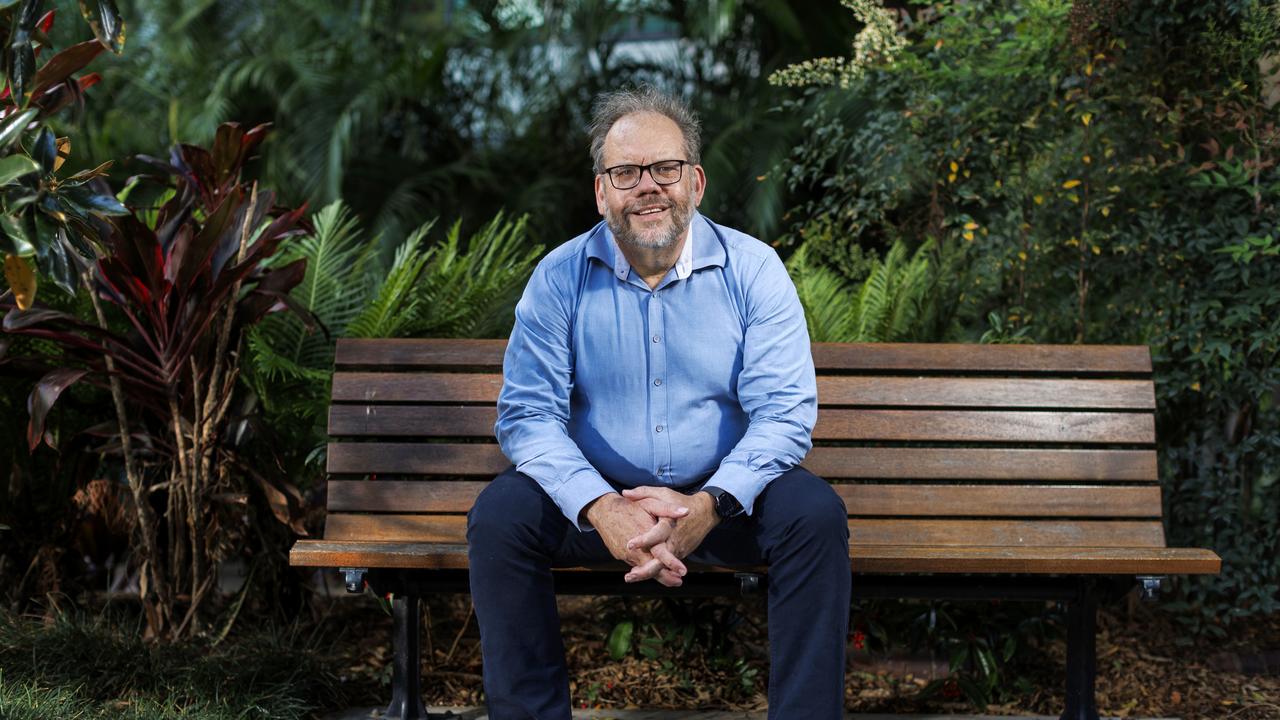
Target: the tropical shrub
pixel 1113 170
pixel 452 288
pixel 183 275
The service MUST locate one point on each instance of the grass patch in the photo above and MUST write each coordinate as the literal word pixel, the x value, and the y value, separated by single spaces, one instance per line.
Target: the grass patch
pixel 97 667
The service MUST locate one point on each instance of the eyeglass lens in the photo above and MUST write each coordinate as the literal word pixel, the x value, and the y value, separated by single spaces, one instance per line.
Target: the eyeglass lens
pixel 625 177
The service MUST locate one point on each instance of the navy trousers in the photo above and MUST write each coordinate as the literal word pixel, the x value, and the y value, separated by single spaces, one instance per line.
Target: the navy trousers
pixel 798 527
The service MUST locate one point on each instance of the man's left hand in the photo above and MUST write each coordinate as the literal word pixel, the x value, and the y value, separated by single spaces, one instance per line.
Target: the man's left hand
pixel 684 538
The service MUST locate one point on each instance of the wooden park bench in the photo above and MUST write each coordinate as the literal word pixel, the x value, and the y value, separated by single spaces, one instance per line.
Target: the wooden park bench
pixel 970 471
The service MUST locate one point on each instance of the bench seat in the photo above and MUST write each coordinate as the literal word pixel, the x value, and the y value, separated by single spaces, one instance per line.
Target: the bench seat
pixel 968 471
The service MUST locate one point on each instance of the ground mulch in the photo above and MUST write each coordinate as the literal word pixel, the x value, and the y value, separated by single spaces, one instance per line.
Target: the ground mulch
pixel 1148 664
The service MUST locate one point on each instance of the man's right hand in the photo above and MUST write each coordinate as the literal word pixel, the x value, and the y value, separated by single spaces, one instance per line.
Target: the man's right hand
pixel 618 520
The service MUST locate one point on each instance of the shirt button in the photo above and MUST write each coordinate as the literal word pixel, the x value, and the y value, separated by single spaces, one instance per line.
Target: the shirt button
pixel 657 381
pixel 657 338
pixel 658 429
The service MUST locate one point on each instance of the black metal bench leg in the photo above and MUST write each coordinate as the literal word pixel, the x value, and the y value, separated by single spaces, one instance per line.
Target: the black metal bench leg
pixel 406 678
pixel 1082 655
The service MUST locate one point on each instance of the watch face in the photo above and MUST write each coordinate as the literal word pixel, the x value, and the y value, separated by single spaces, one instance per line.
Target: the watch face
pixel 726 505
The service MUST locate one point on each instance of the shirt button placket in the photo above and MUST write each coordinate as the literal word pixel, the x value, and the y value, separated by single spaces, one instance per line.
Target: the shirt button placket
pixel 658 387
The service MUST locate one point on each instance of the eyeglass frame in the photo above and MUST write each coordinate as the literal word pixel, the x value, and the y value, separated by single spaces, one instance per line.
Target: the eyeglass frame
pixel 643 168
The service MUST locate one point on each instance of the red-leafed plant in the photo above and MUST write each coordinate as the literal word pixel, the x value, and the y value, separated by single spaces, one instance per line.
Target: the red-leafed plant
pixel 185 280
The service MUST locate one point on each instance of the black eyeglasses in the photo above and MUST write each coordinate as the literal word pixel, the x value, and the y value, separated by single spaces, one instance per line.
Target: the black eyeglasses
pixel 663 172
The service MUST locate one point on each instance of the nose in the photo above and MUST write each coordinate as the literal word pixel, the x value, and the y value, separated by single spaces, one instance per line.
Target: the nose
pixel 647 184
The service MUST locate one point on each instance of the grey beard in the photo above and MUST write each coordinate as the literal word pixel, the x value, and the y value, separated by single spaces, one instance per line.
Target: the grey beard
pixel 622 232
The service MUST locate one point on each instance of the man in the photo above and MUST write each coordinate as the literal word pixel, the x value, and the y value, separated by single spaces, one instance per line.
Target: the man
pixel 658 395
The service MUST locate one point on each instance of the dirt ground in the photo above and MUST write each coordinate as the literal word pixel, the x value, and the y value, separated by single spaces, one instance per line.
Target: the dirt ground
pixel 1148 665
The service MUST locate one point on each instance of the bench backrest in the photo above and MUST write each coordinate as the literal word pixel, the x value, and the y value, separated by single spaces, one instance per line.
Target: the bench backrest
pixel 929 444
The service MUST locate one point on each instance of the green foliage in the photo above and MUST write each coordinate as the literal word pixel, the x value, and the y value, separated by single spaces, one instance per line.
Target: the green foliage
pixel 408 112
pixel 898 299
pixel 48 221
pixel 99 668
pixel 1113 172
pixel 984 645
pixel 453 288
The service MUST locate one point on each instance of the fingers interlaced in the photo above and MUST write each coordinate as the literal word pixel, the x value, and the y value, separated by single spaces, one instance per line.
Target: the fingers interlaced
pixel 654 570
pixel 660 531
pixel 662 508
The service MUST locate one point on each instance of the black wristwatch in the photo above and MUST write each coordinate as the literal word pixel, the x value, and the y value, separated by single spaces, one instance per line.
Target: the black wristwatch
pixel 726 504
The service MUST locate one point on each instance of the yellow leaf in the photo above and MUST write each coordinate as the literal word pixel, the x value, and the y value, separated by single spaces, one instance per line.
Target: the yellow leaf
pixel 954 166
pixel 1088 69
pixel 1072 242
pixel 64 152
pixel 1106 212
pixel 1087 159
pixel 760 178
pixel 984 232
pixel 998 183
pixel 1022 255
pixel 1073 198
pixel 1114 189
pixel 968 235
pixel 951 178
pixel 1039 199
pixel 1086 118
pixel 1196 386
pixel 971 225
pixel 21 279
pixel 1096 250
pixel 1070 184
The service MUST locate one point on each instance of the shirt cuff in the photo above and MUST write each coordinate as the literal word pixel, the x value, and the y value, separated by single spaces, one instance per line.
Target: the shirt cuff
pixel 740 482
pixel 576 492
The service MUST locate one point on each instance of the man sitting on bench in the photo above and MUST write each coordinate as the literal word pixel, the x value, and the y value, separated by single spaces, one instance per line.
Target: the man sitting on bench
pixel 658 396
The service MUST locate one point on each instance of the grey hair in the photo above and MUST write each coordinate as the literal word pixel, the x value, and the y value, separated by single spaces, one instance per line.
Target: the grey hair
pixel 611 107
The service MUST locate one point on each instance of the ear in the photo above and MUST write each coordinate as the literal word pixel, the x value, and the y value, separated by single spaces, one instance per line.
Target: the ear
pixel 699 185
pixel 599 185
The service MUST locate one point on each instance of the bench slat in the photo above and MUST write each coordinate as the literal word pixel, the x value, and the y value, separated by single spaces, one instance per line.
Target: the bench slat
pixel 831 463
pixel 485 459
pixel 833 424
pixel 985 426
pixel 983 464
pixel 416 387
pixel 398 496
pixel 870 559
pixel 412 420
pixel 479 355
pixel 428 387
pixel 986 392
pixel 863 531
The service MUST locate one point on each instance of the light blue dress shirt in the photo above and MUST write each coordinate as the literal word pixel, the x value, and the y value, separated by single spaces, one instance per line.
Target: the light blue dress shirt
pixel 708 377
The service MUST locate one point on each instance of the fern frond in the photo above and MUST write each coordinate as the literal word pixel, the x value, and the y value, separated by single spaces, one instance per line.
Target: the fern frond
pixel 394 307
pixel 826 298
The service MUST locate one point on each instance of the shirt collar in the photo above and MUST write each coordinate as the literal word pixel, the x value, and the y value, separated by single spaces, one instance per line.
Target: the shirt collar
pixel 702 248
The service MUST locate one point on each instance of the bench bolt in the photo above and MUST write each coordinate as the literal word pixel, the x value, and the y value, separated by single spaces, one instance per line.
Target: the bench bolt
pixel 354 578
pixel 749 583
pixel 1150 586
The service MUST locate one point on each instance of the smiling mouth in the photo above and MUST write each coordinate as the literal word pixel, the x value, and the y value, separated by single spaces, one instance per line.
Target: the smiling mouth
pixel 650 211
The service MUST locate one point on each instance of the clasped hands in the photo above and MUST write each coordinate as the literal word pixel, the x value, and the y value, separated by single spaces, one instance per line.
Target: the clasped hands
pixel 653 529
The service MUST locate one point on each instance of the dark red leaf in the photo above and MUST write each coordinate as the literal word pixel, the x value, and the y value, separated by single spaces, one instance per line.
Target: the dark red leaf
pixel 66 63
pixel 17 320
pixel 195 257
pixel 45 23
pixel 272 291
pixel 43 396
